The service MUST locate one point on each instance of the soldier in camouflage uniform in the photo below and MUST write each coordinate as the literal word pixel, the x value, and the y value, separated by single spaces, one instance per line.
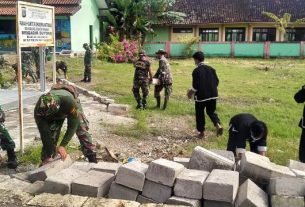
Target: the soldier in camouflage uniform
pixel 7 143
pixel 142 78
pixel 165 78
pixel 26 68
pixel 87 63
pixel 50 113
pixel 36 58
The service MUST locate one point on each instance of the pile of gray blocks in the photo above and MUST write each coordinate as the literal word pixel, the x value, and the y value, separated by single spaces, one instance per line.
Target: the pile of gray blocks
pixel 209 178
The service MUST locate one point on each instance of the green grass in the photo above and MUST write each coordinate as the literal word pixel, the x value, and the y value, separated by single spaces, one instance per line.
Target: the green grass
pixel 244 87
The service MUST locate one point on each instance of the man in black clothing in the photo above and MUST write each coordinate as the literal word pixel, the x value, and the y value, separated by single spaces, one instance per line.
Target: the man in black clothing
pixel 205 82
pixel 245 127
pixel 300 98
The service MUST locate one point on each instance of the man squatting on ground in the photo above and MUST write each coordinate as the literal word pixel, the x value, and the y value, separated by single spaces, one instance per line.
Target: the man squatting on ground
pixel 142 79
pixel 7 143
pixel 165 78
pixel 204 90
pixel 50 113
pixel 87 63
pixel 243 127
pixel 300 98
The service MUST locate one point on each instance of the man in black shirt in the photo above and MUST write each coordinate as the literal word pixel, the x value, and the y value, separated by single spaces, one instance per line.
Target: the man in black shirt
pixel 300 98
pixel 245 127
pixel 204 89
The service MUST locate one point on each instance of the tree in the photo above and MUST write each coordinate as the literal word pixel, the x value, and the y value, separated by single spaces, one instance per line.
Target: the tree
pixel 283 22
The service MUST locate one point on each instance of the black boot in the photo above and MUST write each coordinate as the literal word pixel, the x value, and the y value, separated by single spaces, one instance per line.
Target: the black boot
pixel 139 104
pixel 92 158
pixel 165 103
pixel 144 103
pixel 158 102
pixel 12 161
pixel 89 80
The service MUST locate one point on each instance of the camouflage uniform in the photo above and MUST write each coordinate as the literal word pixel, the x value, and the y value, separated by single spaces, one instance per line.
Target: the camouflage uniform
pixel 142 77
pixel 26 69
pixel 50 113
pixel 165 81
pixel 6 142
pixel 87 63
pixel 36 58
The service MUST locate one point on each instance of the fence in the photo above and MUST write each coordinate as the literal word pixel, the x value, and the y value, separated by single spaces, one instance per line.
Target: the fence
pixel 229 49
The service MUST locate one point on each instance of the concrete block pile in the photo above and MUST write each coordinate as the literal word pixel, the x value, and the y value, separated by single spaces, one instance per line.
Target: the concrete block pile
pixel 208 178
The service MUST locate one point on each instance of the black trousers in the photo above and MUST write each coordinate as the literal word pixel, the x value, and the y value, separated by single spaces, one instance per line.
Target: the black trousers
pixel 210 107
pixel 302 147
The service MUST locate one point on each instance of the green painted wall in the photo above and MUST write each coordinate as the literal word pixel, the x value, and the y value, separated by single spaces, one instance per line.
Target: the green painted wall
pixel 151 49
pixel 249 50
pixel 162 34
pixel 80 23
pixel 285 50
pixel 217 50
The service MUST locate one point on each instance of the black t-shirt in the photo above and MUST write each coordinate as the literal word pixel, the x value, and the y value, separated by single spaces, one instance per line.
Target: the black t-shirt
pixel 240 129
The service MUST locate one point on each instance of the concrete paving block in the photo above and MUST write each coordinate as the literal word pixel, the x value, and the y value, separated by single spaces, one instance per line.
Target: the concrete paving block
pixel 203 159
pixel 156 191
pixel 132 175
pixel 250 195
pixel 293 164
pixel 164 171
pixel 189 183
pixel 118 107
pixel 227 154
pixel 24 176
pixel 102 202
pixel 182 160
pixel 51 200
pixel 14 198
pixel 142 199
pixel 298 173
pixel 108 167
pixel 92 184
pixel 121 192
pixel 184 201
pixel 35 188
pixel 221 185
pixel 287 186
pixel 207 203
pixel 61 182
pixel 14 184
pixel 286 201
pixel 83 166
pixel 280 171
pixel 4 178
pixel 50 169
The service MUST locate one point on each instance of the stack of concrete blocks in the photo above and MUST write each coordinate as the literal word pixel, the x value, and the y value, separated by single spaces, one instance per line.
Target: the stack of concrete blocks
pixel 129 181
pixel 297 167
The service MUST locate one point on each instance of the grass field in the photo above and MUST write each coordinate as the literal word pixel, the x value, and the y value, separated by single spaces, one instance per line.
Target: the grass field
pixel 245 86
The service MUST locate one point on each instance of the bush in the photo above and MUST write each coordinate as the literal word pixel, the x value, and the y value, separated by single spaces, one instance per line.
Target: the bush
pixel 116 51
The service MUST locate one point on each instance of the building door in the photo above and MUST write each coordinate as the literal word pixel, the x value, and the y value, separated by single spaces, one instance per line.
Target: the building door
pixel 91 35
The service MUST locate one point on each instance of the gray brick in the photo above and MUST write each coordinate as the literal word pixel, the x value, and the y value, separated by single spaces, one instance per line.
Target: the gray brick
pixel 121 192
pixel 156 191
pixel 189 183
pixel 36 188
pixel 207 203
pixel 221 185
pixel 184 201
pixel 164 171
pixel 203 159
pixel 142 199
pixel 227 154
pixel 250 195
pixel 286 201
pixel 24 176
pixel 14 184
pixel 182 160
pixel 92 184
pixel 50 169
pixel 14 198
pixel 287 186
pixel 48 200
pixel 102 202
pixel 108 167
pixel 61 182
pixel 83 166
pixel 281 171
pixel 292 164
pixel 132 175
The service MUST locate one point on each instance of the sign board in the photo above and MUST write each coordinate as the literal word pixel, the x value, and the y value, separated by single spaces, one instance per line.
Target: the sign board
pixel 35 25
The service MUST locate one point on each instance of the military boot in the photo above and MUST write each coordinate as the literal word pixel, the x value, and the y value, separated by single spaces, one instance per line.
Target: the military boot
pixel 144 103
pixel 139 104
pixel 158 102
pixel 219 130
pixel 12 161
pixel 165 103
pixel 92 158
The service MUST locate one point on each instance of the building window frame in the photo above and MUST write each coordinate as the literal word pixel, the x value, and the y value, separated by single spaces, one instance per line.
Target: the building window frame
pixel 295 34
pixel 209 34
pixel 235 34
pixel 263 34
pixel 183 30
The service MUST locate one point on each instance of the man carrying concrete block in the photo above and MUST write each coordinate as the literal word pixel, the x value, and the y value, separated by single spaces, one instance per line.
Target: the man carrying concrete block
pixel 245 127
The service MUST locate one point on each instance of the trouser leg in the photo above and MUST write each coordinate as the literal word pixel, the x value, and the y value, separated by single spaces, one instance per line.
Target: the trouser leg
pixel 210 109
pixel 137 96
pixel 157 91
pixel 231 145
pixel 6 141
pixel 200 116
pixel 302 147
pixel 168 92
pixel 145 92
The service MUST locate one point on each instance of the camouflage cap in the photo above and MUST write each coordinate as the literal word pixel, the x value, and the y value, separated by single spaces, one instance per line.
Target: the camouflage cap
pixel 85 45
pixel 48 104
pixel 161 51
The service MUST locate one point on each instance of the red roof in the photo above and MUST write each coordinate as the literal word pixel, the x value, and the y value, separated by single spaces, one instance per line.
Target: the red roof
pixel 62 7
